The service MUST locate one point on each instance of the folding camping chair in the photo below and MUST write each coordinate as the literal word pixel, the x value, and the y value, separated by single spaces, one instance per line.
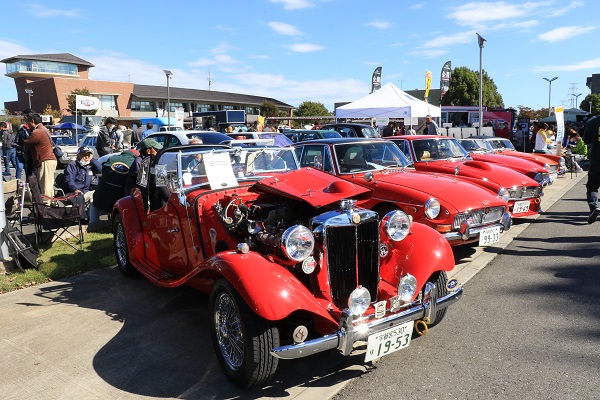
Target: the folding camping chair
pixel 58 215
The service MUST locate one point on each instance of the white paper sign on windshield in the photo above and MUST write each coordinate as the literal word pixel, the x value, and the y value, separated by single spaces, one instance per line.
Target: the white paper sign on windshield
pixel 218 170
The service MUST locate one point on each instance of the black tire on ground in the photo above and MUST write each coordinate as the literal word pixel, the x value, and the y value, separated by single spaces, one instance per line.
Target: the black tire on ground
pixel 242 339
pixel 121 250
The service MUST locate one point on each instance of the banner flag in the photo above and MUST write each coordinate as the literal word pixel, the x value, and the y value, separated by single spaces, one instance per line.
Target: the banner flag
pixel 445 79
pixel 560 128
pixel 376 80
pixel 428 76
pixel 86 102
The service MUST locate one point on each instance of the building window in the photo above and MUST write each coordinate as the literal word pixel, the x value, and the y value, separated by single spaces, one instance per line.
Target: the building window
pixel 252 110
pixel 137 105
pixel 228 108
pixel 174 106
pixel 205 107
pixel 41 66
pixel 107 102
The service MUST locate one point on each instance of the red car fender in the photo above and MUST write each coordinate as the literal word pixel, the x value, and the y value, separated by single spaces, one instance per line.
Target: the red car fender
pixel 131 222
pixel 269 289
pixel 412 256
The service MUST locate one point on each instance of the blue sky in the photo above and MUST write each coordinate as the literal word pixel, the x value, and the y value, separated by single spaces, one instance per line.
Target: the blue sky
pixel 317 50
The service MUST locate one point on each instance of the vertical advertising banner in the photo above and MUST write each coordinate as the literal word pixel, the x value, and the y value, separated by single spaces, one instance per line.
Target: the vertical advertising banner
pixel 376 80
pixel 560 128
pixel 179 116
pixel 445 79
pixel 428 76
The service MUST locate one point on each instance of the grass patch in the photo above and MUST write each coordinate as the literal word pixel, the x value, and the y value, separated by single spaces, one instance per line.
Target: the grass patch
pixel 60 261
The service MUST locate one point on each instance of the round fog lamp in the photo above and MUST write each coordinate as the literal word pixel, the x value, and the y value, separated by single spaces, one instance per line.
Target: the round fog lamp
pixel 359 300
pixel 407 287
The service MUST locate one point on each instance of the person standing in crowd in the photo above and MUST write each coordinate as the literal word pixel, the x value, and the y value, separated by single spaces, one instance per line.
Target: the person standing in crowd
pixel 149 148
pixel 388 130
pixel 541 139
pixel 3 137
pixel 104 143
pixel 148 130
pixel 136 134
pixel 410 130
pixel 44 160
pixel 78 178
pixel 23 153
pixel 591 137
pixel 432 127
pixel 9 146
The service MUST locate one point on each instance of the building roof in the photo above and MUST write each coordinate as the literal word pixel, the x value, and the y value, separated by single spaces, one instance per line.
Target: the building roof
pixel 210 96
pixel 59 57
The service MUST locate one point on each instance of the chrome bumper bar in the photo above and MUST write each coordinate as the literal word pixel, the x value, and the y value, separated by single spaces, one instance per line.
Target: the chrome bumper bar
pixel 468 232
pixel 349 333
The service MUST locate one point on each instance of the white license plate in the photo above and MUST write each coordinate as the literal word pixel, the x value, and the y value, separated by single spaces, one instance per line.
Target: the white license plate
pixel 521 206
pixel 488 236
pixel 553 176
pixel 389 341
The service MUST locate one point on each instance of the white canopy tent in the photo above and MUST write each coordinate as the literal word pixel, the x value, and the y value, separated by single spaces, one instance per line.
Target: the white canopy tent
pixel 388 102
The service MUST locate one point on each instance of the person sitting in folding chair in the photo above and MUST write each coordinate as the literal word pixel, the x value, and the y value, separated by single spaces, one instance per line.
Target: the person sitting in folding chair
pixel 78 178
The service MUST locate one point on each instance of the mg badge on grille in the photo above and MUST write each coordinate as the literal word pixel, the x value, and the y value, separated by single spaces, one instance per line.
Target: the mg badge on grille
pixel 395 303
pixel 380 309
pixel 356 218
pixel 308 265
pixel 383 250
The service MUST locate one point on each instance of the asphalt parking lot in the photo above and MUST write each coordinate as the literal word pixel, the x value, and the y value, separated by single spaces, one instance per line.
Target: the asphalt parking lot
pixel 100 335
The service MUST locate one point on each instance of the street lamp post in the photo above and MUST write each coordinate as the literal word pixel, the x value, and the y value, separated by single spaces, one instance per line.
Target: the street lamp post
pixel 168 74
pixel 29 94
pixel 550 91
pixel 480 40
pixel 576 98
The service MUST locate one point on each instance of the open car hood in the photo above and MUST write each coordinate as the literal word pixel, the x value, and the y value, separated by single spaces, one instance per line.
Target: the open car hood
pixel 312 186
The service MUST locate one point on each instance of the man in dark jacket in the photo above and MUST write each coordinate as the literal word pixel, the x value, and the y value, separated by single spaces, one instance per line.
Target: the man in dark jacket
pixel 104 143
pixel 388 130
pixel 78 178
pixel 136 134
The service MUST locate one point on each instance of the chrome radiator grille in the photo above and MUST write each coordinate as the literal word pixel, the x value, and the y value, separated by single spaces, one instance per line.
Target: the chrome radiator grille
pixel 553 169
pixel 480 217
pixel 524 192
pixel 352 259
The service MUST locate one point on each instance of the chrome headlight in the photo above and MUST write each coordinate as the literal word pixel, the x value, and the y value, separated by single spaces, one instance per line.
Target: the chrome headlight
pixel 503 193
pixel 432 208
pixel 297 242
pixel 359 300
pixel 541 178
pixel 547 166
pixel 397 225
pixel 407 287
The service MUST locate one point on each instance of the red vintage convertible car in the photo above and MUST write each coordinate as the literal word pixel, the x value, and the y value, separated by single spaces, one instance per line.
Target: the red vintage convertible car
pixel 554 163
pixel 479 152
pixel 461 211
pixel 293 267
pixel 445 155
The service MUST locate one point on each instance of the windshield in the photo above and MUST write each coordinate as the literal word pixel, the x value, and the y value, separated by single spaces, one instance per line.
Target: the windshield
pixel 473 145
pixel 63 141
pixel 438 149
pixel 368 156
pixel 500 144
pixel 370 132
pixel 221 168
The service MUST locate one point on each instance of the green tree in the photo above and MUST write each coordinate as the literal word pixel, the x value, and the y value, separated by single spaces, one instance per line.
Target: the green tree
pixel 595 100
pixel 269 109
pixel 533 115
pixel 312 109
pixel 56 114
pixel 464 89
pixel 71 102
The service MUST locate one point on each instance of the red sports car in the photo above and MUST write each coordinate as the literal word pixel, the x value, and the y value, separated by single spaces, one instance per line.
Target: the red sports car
pixel 478 150
pixel 461 211
pixel 293 267
pixel 445 155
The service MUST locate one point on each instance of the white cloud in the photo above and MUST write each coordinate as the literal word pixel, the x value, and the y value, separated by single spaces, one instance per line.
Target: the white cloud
pixel 592 64
pixel 564 33
pixel 556 11
pixel 41 11
pixel 444 41
pixel 9 49
pixel 305 47
pixel 428 53
pixel 477 14
pixel 294 4
pixel 284 29
pixel 379 24
pixel 417 6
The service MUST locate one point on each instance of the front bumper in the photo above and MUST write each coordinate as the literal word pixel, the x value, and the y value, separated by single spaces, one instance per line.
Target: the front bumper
pixel 467 231
pixel 351 331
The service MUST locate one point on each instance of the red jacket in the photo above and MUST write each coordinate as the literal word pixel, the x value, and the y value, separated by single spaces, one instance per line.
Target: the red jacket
pixel 40 145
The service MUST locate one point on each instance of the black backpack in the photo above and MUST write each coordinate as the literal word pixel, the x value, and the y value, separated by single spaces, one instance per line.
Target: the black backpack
pixel 114 176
